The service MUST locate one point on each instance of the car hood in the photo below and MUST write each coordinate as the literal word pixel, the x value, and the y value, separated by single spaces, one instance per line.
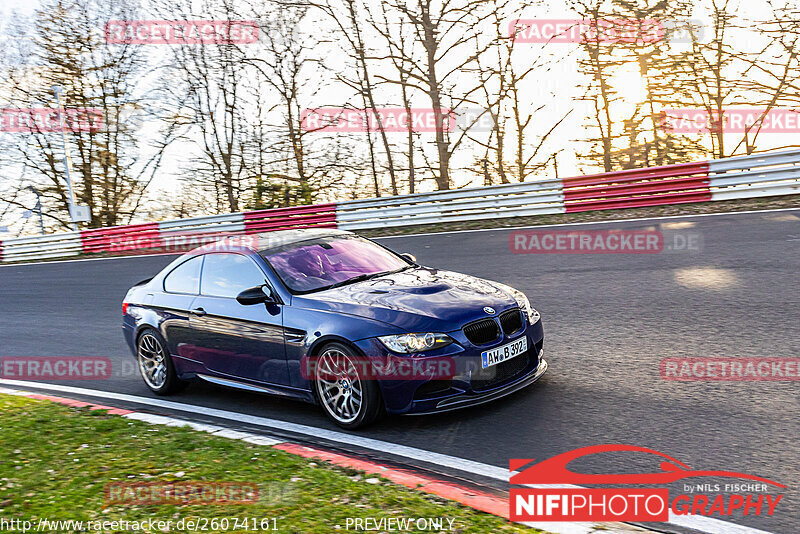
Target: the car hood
pixel 416 300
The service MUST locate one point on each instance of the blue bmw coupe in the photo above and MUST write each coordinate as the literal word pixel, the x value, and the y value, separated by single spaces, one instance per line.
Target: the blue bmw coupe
pixel 329 317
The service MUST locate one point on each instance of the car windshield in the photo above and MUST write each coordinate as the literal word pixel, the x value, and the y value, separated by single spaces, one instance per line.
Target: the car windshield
pixel 324 262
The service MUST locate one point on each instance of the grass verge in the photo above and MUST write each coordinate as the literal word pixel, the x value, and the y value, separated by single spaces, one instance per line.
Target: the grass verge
pixel 55 463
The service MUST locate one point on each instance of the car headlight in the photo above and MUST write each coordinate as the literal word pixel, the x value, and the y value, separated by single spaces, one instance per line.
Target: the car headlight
pixel 523 303
pixel 407 343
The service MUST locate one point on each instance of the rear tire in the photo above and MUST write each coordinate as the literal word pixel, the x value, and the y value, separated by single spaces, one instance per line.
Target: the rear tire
pixel 155 363
pixel 347 397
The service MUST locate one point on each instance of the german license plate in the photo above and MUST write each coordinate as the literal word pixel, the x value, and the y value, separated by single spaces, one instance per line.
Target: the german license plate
pixel 504 352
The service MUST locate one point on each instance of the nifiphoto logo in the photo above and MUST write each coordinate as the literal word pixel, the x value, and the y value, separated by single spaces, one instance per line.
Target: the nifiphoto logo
pixel 568 500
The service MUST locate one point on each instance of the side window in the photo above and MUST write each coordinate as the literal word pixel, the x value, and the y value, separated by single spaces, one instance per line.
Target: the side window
pixel 185 278
pixel 227 275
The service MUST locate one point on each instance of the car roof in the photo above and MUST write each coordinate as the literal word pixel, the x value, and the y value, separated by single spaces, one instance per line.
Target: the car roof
pixel 272 240
pixel 266 241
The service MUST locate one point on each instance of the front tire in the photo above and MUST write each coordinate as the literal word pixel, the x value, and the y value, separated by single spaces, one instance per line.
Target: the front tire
pixel 348 396
pixel 155 363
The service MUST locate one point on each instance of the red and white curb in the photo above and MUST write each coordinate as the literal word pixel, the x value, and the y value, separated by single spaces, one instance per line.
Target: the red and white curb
pixel 467 496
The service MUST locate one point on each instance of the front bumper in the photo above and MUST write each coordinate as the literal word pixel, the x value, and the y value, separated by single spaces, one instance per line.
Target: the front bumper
pixel 466 400
pixel 468 384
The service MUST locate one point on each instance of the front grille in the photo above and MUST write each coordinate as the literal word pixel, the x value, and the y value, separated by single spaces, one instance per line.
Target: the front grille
pixel 483 331
pixel 484 378
pixel 511 321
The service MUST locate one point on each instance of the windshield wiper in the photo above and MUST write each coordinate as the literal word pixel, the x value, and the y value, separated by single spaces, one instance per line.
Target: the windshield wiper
pixel 384 273
pixel 359 278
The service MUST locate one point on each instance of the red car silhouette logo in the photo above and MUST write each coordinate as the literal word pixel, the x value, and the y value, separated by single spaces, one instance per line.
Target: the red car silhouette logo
pixel 554 470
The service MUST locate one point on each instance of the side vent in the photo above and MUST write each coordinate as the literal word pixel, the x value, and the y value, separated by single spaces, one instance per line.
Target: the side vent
pixel 292 335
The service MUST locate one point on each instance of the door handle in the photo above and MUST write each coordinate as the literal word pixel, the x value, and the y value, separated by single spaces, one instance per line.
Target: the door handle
pixel 198 311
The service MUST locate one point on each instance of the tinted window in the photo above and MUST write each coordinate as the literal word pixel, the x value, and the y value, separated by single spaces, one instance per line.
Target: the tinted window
pixel 227 275
pixel 317 263
pixel 185 278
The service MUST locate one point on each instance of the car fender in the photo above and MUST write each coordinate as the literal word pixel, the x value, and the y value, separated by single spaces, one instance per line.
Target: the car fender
pixel 310 329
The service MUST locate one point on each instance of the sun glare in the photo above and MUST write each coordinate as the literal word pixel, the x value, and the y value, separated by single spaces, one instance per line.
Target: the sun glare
pixel 630 86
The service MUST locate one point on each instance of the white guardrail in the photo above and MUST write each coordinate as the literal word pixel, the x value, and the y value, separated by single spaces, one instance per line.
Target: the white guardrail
pixel 760 175
pixel 41 247
pixel 539 197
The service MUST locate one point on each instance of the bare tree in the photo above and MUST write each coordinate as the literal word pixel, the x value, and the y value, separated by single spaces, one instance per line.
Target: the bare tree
pixel 347 15
pixel 210 84
pixel 447 33
pixel 103 88
pixel 772 75
pixel 510 113
pixel 651 30
pixel 710 77
pixel 399 40
pixel 289 67
pixel 598 64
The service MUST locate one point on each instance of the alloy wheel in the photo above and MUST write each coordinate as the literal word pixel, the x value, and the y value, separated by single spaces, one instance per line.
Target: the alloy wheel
pixel 339 385
pixel 152 361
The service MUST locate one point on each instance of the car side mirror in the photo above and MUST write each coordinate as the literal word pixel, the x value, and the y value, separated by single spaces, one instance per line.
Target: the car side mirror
pixel 409 257
pixel 256 295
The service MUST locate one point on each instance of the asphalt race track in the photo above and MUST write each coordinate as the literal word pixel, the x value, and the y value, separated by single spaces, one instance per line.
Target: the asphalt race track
pixel 609 319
